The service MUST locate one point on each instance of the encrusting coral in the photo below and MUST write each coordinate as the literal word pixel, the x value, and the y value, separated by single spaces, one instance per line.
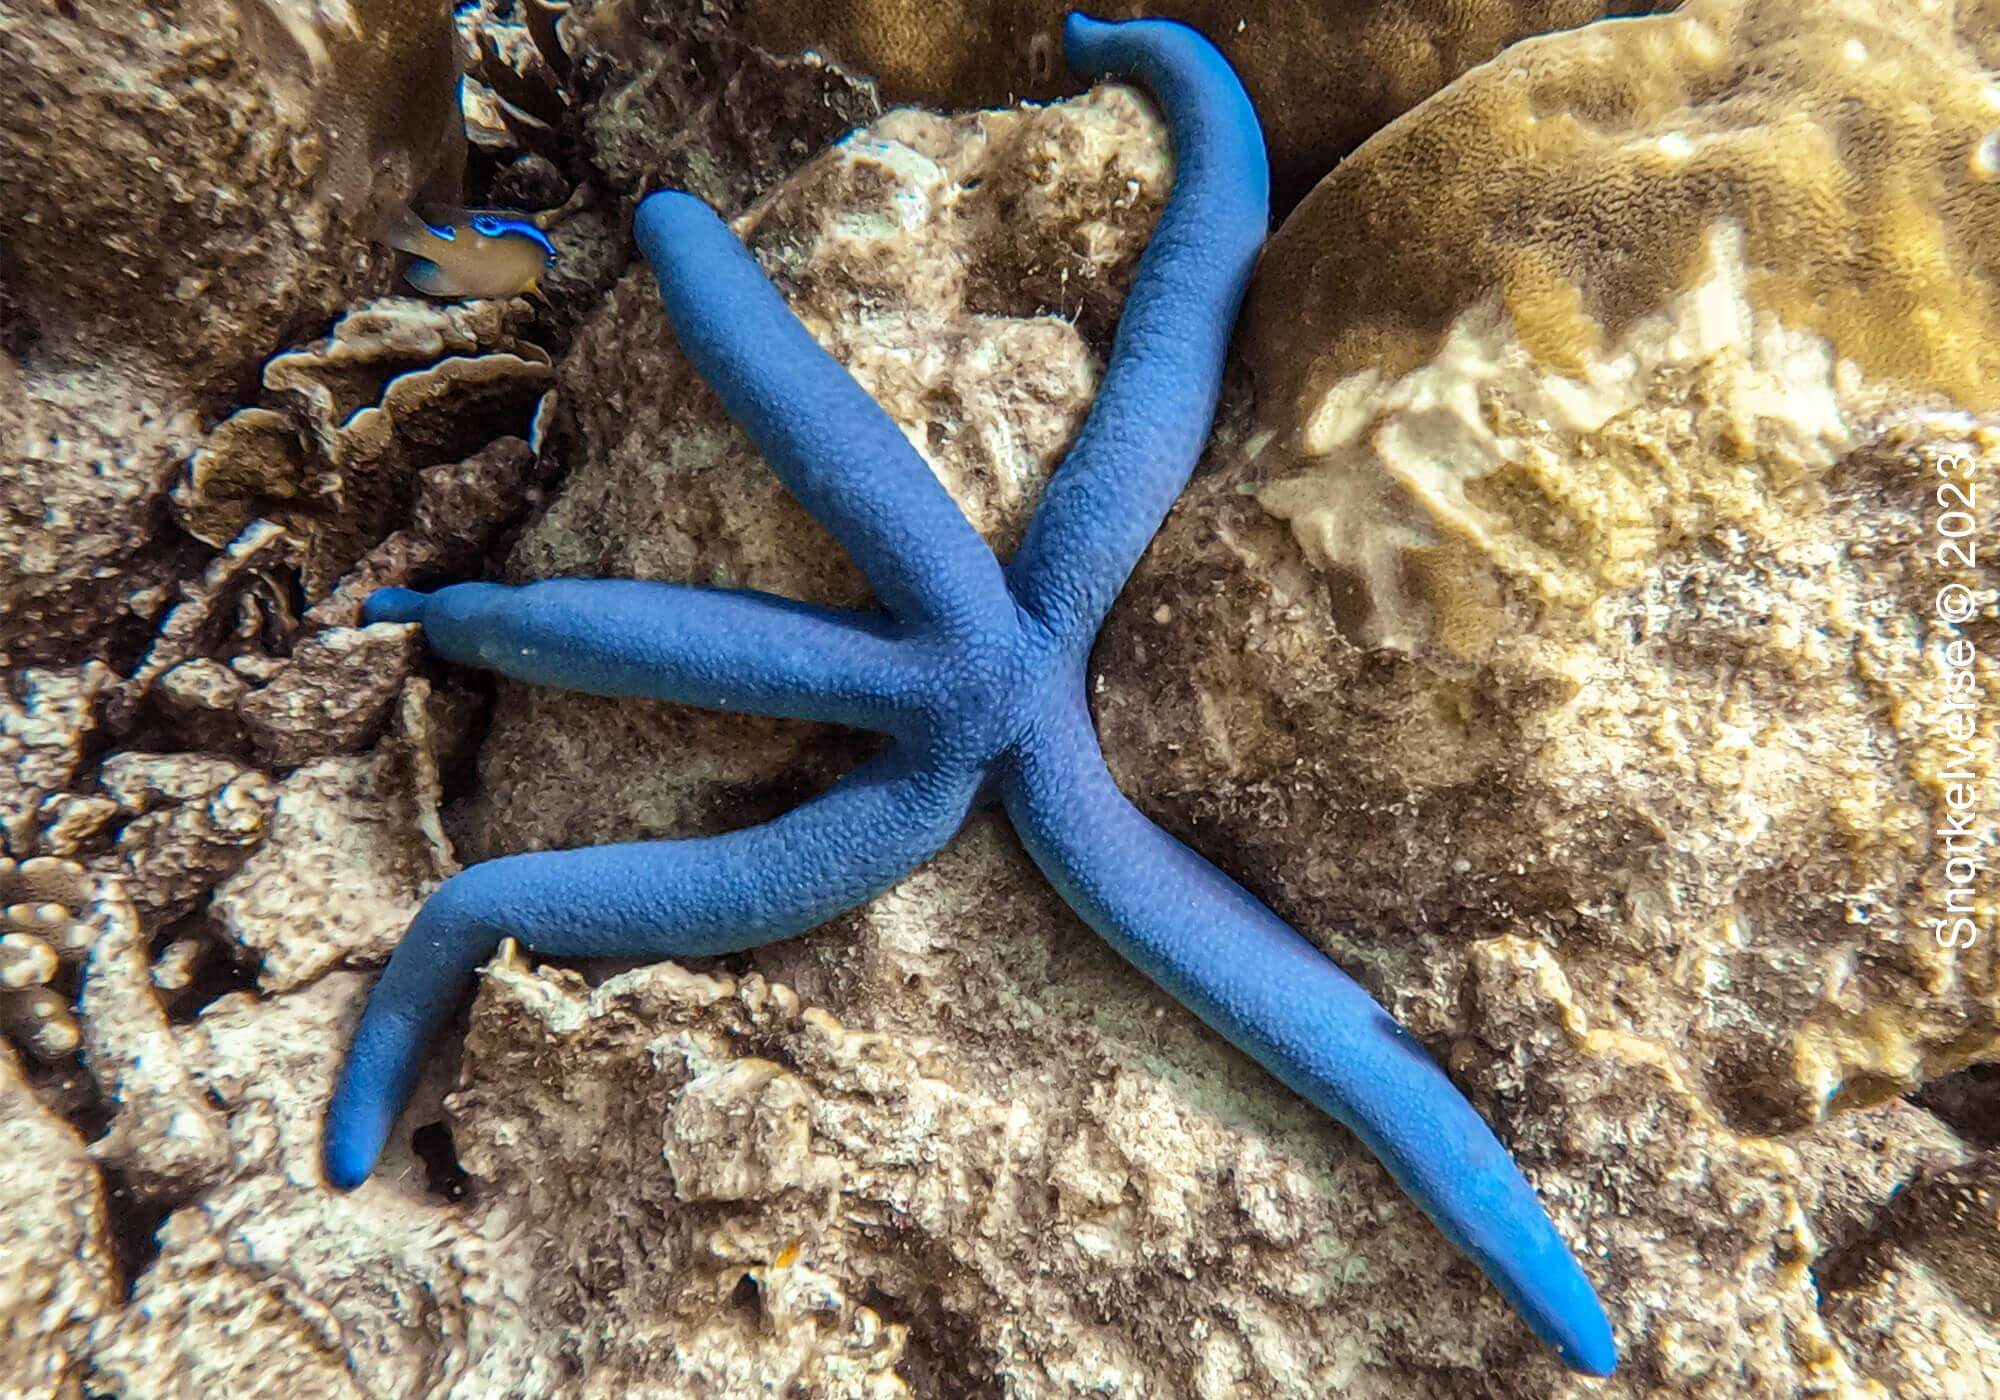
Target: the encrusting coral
pixel 59 1276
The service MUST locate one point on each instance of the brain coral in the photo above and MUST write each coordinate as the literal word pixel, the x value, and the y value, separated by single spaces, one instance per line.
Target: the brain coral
pixel 1856 145
pixel 1324 76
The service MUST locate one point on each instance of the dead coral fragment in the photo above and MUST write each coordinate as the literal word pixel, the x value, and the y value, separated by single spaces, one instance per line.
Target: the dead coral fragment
pixel 354 849
pixel 460 508
pixel 166 1136
pixel 396 387
pixel 45 930
pixel 331 695
pixel 45 717
pixel 194 819
pixel 309 1292
pixel 57 1272
pixel 207 609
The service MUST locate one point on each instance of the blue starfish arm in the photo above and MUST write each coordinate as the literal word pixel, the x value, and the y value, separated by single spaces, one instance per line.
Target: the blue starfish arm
pixel 1242 969
pixel 639 899
pixel 725 649
pixel 1157 401
pixel 830 443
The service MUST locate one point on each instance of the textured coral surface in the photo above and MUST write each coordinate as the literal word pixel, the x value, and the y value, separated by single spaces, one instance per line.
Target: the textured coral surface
pixel 1549 635
pixel 1324 76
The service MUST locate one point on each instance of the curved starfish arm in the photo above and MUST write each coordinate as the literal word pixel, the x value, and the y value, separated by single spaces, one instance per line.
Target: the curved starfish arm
pixel 1248 974
pixel 726 649
pixel 1154 409
pixel 830 443
pixel 640 899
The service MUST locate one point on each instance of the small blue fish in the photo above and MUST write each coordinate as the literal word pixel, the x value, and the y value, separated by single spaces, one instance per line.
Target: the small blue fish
pixel 474 253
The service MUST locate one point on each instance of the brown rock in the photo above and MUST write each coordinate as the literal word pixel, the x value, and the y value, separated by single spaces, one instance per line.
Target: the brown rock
pixel 177 193
pixel 57 1279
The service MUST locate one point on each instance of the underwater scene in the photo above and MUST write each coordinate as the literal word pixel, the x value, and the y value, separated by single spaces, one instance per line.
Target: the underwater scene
pixel 964 698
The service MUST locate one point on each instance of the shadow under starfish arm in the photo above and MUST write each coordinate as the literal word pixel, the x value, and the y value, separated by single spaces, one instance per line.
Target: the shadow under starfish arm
pixel 1225 956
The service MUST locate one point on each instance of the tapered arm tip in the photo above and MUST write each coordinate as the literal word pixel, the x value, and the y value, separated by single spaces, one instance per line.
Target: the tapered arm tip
pixel 665 216
pixel 393 605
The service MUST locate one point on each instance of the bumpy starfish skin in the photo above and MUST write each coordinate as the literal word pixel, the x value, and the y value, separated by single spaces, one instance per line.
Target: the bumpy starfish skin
pixel 977 675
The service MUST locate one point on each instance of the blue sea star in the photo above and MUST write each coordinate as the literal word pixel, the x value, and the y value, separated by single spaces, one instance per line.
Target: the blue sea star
pixel 976 673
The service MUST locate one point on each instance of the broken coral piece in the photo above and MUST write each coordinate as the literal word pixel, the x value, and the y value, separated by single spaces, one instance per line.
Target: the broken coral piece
pixel 397 386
